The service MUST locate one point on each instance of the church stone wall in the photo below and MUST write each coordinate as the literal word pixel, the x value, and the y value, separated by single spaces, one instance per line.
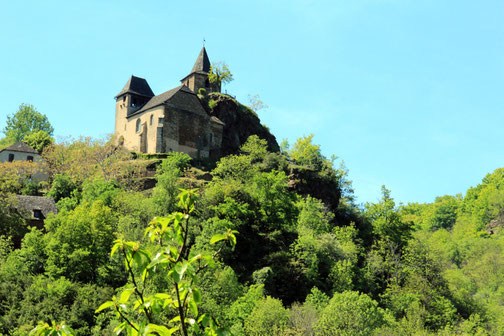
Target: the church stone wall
pixel 187 132
pixel 133 139
pixel 172 129
pixel 121 113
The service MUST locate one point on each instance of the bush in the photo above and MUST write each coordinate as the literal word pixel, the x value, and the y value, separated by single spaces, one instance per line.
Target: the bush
pixel 62 187
pixel 269 317
pixel 212 104
pixel 350 314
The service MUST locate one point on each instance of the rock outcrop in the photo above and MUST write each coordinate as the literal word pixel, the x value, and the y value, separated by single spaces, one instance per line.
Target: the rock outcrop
pixel 240 123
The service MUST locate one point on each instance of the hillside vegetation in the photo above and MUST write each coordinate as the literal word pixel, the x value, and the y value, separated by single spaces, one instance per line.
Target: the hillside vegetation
pixel 307 259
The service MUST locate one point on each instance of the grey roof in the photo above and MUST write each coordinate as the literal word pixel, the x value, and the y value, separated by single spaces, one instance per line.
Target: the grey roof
pixel 158 100
pixel 20 146
pixel 138 86
pixel 26 205
pixel 184 102
pixel 202 62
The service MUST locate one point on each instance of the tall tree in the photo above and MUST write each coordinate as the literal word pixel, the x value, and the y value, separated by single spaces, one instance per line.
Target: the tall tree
pixel 38 140
pixel 220 73
pixel 25 121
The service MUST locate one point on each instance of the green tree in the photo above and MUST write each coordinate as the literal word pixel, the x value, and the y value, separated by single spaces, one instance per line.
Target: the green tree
pixel 168 181
pixel 268 318
pixel 255 147
pixel 62 187
pixel 350 314
pixel 306 153
pixel 241 309
pixel 79 242
pixel 6 142
pixel 137 307
pixel 220 73
pixel 86 157
pixel 38 140
pixel 25 121
pixel 387 223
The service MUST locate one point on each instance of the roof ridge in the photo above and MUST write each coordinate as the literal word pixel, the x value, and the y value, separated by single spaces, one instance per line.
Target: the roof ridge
pixel 20 146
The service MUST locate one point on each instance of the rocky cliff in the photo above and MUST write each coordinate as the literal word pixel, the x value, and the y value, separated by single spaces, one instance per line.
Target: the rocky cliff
pixel 240 123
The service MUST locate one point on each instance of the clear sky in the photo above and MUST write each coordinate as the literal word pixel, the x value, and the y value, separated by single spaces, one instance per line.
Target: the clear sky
pixel 408 93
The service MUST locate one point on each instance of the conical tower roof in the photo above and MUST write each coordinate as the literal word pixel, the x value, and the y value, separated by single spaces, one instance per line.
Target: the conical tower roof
pixel 202 62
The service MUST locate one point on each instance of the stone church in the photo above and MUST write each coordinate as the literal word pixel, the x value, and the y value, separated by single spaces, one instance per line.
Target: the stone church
pixel 173 121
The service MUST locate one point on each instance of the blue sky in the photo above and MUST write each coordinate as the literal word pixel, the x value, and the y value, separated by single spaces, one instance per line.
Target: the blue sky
pixel 408 93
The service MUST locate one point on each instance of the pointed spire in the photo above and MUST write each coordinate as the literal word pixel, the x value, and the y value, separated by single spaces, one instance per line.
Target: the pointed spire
pixel 202 62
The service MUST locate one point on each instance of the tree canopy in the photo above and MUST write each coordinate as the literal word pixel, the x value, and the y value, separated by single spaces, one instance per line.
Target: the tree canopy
pixel 220 73
pixel 26 121
pixel 270 243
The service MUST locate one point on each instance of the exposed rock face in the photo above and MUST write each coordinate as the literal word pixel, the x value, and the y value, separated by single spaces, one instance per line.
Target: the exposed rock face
pixel 240 123
pixel 496 224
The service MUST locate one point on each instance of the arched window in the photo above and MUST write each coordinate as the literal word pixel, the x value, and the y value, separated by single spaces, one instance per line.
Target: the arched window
pixel 138 125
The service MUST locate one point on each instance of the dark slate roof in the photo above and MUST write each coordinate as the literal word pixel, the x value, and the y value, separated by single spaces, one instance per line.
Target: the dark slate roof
pixel 26 205
pixel 184 101
pixel 20 146
pixel 158 100
pixel 202 62
pixel 138 86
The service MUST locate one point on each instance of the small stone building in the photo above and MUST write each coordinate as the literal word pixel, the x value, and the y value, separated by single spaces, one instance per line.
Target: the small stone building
pixel 173 121
pixel 34 209
pixel 19 152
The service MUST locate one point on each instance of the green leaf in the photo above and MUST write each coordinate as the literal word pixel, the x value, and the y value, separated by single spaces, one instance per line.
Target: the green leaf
pixel 67 330
pixel 175 319
pixel 217 238
pixel 140 261
pixel 118 330
pixel 196 295
pixel 173 252
pixel 125 295
pixel 114 249
pixel 137 304
pixel 175 276
pixel 204 319
pixel 181 267
pixel 193 307
pixel 196 257
pixel 232 239
pixel 162 296
pixel 105 305
pixel 157 330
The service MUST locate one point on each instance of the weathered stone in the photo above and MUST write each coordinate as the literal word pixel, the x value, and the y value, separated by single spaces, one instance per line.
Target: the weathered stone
pixel 240 122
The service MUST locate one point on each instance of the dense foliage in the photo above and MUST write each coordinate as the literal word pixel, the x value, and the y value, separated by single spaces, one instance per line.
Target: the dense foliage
pixel 307 259
pixel 25 121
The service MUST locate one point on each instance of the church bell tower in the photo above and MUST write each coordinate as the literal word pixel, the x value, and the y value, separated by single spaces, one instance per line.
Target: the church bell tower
pixel 198 78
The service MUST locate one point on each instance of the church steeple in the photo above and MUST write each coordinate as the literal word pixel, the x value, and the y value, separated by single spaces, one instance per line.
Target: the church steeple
pixel 202 62
pixel 198 77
